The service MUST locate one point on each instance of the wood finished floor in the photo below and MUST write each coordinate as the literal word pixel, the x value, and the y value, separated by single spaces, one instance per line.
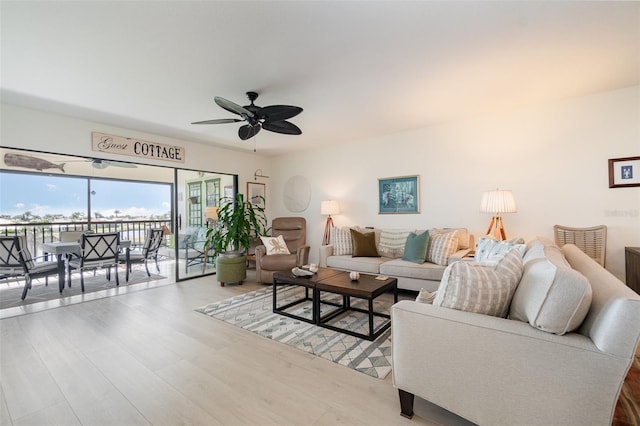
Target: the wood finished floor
pixel 147 358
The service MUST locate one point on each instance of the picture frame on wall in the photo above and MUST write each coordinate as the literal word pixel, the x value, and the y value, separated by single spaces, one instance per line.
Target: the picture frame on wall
pixel 256 193
pixel 624 172
pixel 399 195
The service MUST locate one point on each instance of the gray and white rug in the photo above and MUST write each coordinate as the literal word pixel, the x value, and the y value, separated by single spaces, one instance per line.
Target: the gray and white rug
pixel 253 311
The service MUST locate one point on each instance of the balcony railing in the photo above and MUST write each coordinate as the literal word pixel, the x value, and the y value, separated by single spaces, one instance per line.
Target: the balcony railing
pixel 36 234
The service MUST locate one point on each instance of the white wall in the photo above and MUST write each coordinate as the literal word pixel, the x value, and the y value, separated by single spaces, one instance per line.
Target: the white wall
pixel 554 158
pixel 43 131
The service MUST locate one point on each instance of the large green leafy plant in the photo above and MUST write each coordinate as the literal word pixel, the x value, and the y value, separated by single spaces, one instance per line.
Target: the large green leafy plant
pixel 239 222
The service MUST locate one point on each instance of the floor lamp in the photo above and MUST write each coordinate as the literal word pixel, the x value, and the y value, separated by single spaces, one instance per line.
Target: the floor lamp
pixel 496 202
pixel 328 208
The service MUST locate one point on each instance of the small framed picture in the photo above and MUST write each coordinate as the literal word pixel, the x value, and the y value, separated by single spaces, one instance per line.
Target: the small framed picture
pixel 399 195
pixel 624 172
pixel 256 193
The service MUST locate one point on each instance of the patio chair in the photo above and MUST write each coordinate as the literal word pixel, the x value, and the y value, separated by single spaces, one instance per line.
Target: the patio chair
pixel 591 240
pixel 16 261
pixel 148 251
pixel 98 251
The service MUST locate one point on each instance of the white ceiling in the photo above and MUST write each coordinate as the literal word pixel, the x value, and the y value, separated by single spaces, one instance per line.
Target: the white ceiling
pixel 359 69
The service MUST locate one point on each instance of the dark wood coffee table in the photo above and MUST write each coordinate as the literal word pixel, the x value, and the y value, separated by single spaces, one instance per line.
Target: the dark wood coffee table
pixel 334 281
pixel 368 287
pixel 286 278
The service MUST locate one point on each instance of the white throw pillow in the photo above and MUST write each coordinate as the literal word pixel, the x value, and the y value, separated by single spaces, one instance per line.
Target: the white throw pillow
pixel 552 296
pixel 441 246
pixel 275 245
pixel 341 241
pixel 473 287
pixel 489 250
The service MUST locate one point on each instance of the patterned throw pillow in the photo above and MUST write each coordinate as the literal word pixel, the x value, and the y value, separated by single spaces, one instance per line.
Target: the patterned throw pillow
pixel 341 241
pixel 392 242
pixel 472 287
pixel 275 245
pixel 441 246
pixel 489 250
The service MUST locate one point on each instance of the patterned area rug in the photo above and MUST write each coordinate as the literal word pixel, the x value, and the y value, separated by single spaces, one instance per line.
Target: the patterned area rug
pixel 11 291
pixel 627 411
pixel 253 311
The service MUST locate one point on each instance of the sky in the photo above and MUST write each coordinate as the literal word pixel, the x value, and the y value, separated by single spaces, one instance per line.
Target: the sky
pixel 43 194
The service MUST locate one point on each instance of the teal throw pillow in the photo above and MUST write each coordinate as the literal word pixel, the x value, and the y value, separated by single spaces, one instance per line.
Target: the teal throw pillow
pixel 415 249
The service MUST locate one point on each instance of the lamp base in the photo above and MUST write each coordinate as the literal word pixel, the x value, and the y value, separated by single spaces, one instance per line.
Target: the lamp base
pixel 327 231
pixel 498 228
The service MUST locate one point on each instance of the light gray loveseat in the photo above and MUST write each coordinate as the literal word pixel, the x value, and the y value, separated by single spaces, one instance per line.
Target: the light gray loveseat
pixel 410 275
pixel 499 371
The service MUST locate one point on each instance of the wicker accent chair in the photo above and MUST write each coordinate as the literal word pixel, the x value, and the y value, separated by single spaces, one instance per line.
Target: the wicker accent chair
pixel 591 240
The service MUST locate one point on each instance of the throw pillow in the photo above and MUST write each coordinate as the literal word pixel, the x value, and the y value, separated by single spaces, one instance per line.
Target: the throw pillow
pixel 364 244
pixel 441 246
pixel 392 242
pixel 275 245
pixel 341 241
pixel 472 287
pixel 426 297
pixel 415 249
pixel 489 250
pixel 551 296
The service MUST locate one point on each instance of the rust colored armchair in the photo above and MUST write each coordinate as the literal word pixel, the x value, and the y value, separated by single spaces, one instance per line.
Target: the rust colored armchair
pixel 294 232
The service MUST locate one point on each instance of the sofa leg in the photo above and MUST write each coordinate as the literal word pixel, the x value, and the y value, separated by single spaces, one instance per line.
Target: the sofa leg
pixel 221 284
pixel 406 404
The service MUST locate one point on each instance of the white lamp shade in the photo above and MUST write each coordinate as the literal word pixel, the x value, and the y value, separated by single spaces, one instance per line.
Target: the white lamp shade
pixel 329 207
pixel 498 201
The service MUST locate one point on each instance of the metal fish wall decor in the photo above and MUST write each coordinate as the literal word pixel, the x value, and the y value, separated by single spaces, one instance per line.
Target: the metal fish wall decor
pixel 29 162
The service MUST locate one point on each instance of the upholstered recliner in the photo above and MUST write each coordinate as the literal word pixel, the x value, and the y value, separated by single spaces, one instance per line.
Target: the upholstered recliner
pixel 294 232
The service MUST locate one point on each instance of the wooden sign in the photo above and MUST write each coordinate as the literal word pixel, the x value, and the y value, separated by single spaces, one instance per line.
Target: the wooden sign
pixel 136 148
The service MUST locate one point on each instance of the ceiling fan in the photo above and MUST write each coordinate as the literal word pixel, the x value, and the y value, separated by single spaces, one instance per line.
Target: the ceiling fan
pixel 103 164
pixel 272 118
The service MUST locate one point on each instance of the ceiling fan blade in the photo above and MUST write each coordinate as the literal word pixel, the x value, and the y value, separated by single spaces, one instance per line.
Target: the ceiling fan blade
pixel 218 121
pixel 279 112
pixel 120 164
pixel 103 164
pixel 282 127
pixel 233 107
pixel 248 131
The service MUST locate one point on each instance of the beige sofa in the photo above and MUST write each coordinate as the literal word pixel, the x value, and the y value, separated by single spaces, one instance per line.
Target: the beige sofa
pixel 410 275
pixel 499 371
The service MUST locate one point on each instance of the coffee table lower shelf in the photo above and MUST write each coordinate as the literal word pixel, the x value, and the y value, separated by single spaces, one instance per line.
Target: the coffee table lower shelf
pixel 324 320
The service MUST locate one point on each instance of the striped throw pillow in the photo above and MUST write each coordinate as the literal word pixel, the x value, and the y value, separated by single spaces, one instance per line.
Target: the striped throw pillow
pixel 341 241
pixel 392 242
pixel 441 246
pixel 472 287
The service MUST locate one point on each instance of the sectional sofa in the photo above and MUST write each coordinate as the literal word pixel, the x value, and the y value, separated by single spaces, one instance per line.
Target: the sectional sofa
pixel 448 245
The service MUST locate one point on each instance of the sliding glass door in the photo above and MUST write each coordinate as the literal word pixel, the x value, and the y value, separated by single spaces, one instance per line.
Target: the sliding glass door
pixel 198 196
pixel 44 193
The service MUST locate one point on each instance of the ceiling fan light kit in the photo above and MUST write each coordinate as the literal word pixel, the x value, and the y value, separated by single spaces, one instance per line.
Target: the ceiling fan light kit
pixel 272 118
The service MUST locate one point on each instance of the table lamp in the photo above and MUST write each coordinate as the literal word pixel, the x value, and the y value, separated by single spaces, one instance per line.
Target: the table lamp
pixel 328 208
pixel 496 202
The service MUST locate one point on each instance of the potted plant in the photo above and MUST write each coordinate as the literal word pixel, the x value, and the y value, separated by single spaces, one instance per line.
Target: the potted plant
pixel 239 222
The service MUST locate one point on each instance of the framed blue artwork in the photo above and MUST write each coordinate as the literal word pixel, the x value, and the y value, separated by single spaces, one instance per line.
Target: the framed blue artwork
pixel 399 195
